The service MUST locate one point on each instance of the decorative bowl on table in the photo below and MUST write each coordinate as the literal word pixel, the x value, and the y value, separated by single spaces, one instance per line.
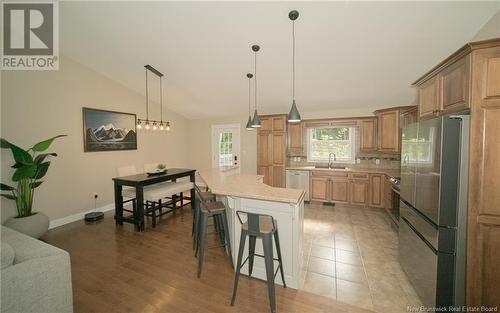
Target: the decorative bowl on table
pixel 157 171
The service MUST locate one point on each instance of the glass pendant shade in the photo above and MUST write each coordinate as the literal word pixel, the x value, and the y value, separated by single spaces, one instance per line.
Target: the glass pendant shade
pixel 294 115
pixel 256 120
pixel 249 123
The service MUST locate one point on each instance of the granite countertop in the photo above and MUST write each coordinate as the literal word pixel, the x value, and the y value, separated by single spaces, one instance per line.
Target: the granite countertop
pixel 391 172
pixel 222 182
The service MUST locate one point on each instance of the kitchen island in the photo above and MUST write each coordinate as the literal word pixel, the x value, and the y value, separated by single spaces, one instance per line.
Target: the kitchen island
pixel 242 192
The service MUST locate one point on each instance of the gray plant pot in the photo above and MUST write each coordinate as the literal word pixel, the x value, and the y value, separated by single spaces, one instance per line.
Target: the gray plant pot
pixel 35 225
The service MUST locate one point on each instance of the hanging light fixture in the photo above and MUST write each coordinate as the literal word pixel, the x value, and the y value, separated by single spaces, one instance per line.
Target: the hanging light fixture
pixel 249 123
pixel 256 119
pixel 294 115
pixel 153 124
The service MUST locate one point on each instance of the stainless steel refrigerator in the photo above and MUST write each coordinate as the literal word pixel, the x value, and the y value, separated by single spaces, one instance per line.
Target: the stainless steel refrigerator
pixel 433 208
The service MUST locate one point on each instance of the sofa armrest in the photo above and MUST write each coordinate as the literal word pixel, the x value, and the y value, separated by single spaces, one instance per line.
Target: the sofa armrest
pixel 38 285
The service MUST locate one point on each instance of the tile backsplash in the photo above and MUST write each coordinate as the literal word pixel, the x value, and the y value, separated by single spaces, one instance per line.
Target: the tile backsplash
pixel 362 161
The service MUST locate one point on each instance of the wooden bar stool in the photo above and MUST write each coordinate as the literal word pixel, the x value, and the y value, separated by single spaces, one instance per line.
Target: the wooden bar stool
pixel 216 210
pixel 264 227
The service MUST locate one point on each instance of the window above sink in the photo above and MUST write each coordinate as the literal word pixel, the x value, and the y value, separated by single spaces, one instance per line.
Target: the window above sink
pixel 337 140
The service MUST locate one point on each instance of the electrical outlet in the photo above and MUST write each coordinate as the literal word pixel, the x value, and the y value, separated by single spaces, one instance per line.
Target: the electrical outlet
pixel 377 161
pixel 96 195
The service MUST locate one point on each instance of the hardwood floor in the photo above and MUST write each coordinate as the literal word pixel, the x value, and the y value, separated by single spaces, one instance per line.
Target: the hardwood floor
pixel 115 269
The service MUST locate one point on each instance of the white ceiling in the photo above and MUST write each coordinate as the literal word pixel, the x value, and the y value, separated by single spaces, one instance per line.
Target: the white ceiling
pixel 349 54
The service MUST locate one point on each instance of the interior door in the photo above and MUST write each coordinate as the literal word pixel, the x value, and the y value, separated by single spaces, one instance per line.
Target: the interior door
pixel 225 145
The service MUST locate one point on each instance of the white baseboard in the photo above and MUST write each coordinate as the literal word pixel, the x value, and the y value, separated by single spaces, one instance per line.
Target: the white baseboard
pixel 78 216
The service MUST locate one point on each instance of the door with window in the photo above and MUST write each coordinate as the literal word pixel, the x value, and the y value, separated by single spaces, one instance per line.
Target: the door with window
pixel 225 145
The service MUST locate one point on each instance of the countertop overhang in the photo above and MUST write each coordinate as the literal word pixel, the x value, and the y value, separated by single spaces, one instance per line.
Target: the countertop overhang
pixel 222 182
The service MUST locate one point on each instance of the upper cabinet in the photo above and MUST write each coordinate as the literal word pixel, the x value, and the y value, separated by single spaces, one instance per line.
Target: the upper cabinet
pixel 408 117
pixel 445 91
pixel 296 139
pixel 388 130
pixel 368 139
pixel 429 99
pixel 275 123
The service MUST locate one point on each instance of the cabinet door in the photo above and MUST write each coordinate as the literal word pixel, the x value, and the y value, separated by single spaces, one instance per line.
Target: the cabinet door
pixel 267 172
pixel 408 117
pixel 278 176
pixel 264 149
pixel 455 86
pixel 279 124
pixel 377 190
pixel 428 98
pixel 388 129
pixel 318 188
pixel 278 148
pixel 359 192
pixel 368 135
pixel 295 139
pixel 339 190
pixel 266 123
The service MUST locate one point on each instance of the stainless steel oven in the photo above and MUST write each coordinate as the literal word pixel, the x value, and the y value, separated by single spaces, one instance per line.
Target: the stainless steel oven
pixel 394 211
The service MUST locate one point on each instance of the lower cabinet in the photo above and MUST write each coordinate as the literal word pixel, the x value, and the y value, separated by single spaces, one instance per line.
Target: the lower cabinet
pixel 339 190
pixel 354 188
pixel 359 191
pixel 319 188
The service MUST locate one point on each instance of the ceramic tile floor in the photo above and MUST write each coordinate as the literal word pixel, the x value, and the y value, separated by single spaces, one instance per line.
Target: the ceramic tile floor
pixel 351 255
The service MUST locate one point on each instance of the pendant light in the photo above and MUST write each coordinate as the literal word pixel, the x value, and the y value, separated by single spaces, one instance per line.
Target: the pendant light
pixel 153 124
pixel 294 115
pixel 256 119
pixel 249 123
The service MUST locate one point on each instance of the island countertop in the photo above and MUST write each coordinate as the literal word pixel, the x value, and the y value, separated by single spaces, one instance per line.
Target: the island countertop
pixel 247 186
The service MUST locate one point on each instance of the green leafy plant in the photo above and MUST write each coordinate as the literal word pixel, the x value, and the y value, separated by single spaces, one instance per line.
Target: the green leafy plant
pixel 30 168
pixel 161 167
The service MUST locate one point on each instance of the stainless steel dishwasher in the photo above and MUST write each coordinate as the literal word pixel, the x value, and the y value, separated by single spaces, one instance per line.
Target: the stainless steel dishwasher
pixel 298 179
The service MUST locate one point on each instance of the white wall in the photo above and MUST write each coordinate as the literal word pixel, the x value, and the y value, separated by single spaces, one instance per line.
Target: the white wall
pixel 40 104
pixel 490 30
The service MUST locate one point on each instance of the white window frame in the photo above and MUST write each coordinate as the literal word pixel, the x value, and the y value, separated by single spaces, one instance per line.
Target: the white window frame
pixel 352 134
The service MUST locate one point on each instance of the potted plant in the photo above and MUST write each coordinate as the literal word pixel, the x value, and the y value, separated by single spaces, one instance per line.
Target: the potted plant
pixel 30 167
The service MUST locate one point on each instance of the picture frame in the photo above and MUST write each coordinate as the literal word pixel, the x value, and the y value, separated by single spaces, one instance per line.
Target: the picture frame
pixel 105 130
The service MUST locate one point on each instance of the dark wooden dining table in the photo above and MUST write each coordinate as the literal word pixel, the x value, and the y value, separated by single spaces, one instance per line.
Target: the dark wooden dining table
pixel 139 182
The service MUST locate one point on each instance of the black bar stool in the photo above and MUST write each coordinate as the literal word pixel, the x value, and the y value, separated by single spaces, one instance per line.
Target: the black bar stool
pixel 216 210
pixel 262 226
pixel 205 196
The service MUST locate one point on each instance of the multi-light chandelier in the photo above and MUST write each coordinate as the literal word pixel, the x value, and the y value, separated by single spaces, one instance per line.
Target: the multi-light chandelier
pixel 148 124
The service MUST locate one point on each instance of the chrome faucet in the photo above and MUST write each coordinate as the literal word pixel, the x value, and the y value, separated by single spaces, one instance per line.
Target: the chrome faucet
pixel 330 164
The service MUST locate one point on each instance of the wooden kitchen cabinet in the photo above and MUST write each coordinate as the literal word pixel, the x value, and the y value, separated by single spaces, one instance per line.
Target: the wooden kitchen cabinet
pixel 429 100
pixel 296 139
pixel 388 131
pixel 454 83
pixel 368 139
pixel 408 117
pixel 271 149
pixel 319 188
pixel 278 148
pixel 377 191
pixel 339 190
pixel 358 192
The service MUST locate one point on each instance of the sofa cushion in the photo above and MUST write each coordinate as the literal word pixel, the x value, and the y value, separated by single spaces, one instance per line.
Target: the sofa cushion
pixel 7 254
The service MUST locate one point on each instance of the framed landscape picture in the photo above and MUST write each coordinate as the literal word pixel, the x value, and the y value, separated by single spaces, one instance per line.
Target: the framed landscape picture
pixel 108 130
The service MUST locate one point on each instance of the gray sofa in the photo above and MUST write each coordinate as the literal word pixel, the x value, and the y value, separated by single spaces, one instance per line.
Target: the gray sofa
pixel 36 277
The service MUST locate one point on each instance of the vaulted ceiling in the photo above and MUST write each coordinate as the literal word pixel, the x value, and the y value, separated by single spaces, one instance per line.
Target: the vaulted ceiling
pixel 349 54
